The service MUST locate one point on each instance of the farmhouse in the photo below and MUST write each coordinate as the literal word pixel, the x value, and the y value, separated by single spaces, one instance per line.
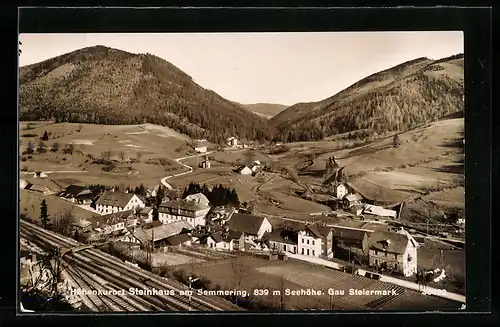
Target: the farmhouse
pixel 396 251
pixel 340 191
pixel 205 164
pixel 77 194
pixel 353 199
pixel 39 174
pixel 159 234
pixel 316 240
pixel 357 209
pixel 178 240
pixel 39 188
pixel 244 170
pixel 254 227
pixel 190 211
pixel 379 211
pixel 283 240
pixel 82 226
pixel 352 240
pixel 110 202
pixel 218 241
pixel 198 198
pixel 113 222
pixel 200 147
pixel 146 213
pixel 232 142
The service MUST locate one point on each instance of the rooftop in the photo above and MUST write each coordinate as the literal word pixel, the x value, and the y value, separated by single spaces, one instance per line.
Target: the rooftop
pixel 282 236
pixel 115 199
pixel 319 230
pixel 247 224
pixel 389 241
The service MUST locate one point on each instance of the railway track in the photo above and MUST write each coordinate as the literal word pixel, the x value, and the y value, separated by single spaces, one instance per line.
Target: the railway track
pixel 101 270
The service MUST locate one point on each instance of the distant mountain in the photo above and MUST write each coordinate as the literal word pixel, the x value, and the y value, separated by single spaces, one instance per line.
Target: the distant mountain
pixel 102 85
pixel 266 110
pixel 401 97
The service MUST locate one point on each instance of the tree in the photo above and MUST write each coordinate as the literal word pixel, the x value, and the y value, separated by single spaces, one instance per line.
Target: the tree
pixel 395 141
pixel 122 155
pixel 42 148
pixel 63 222
pixel 30 148
pixel 55 147
pixel 44 217
pixel 45 136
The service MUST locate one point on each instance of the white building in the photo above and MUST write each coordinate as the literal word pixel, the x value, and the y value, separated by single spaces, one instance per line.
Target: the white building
pixel 282 240
pixel 198 198
pixel 316 240
pixel 379 211
pixel 192 212
pixel 396 251
pixel 341 191
pixel 201 148
pixel 232 142
pixel 146 214
pixel 217 241
pixel 245 170
pixel 22 183
pixel 110 202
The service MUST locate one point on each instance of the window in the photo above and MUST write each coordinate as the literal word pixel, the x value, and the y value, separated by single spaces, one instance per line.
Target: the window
pixel 302 250
pixel 376 252
pixel 307 251
pixel 284 247
pixel 375 261
pixel 313 252
pixel 308 242
pixel 313 242
pixel 302 243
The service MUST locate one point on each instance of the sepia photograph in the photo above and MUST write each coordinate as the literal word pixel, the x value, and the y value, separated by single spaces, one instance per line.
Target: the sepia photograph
pixel 213 172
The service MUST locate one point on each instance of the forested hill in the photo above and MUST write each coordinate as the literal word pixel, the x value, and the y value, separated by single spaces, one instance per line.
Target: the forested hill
pixel 401 98
pixel 102 85
pixel 266 110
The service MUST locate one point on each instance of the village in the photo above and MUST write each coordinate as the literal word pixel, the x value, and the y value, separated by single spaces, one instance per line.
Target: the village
pixel 158 227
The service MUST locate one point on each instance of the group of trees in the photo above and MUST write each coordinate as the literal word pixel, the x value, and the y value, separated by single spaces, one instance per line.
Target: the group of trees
pixel 42 148
pixel 218 195
pixel 163 95
pixel 61 223
pixel 404 104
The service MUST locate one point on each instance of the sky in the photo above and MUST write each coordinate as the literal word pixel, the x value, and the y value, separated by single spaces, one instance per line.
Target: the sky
pixel 283 68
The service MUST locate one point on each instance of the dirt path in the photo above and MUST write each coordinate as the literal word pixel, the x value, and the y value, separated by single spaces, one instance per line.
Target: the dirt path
pixel 164 179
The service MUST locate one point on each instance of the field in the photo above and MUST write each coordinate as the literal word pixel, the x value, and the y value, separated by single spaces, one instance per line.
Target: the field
pixel 254 273
pixel 141 153
pixel 428 160
pixel 30 205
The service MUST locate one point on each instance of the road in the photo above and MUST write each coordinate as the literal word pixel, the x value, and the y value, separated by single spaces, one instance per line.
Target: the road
pixel 164 179
pixel 94 270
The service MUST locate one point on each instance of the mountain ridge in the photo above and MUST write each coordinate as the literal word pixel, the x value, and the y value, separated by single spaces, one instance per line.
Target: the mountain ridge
pixel 400 97
pixel 103 85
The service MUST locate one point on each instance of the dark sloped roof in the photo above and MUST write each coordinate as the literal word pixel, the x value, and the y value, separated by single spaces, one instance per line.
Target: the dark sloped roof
pixel 111 219
pixel 350 234
pixel 217 237
pixel 178 239
pixel 152 224
pixel 234 235
pixel 318 230
pixel 115 199
pixel 72 191
pixel 282 236
pixel 145 210
pixel 183 205
pixel 398 242
pixel 247 224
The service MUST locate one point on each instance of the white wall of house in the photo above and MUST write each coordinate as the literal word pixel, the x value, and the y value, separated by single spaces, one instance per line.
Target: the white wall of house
pixel 132 204
pixel 283 247
pixel 228 246
pixel 309 245
pixel 265 227
pixel 201 149
pixel 246 171
pixel 341 191
pixel 199 218
pixel 405 263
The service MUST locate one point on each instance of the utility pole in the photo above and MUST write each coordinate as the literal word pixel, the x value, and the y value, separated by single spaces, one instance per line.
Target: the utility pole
pixel 441 259
pixel 191 280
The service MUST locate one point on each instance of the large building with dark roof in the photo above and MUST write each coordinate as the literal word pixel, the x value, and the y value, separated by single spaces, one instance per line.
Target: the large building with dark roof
pixel 252 226
pixel 192 212
pixel 110 202
pixel 283 240
pixel 316 240
pixel 396 251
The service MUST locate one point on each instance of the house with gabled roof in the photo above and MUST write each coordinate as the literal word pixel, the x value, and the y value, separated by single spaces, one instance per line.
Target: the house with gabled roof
pixel 254 227
pixel 192 212
pixel 146 214
pixel 113 222
pixel 232 141
pixel 110 202
pixel 77 194
pixel 394 250
pixel 199 198
pixel 316 240
pixel 346 239
pixel 158 234
pixel 283 240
